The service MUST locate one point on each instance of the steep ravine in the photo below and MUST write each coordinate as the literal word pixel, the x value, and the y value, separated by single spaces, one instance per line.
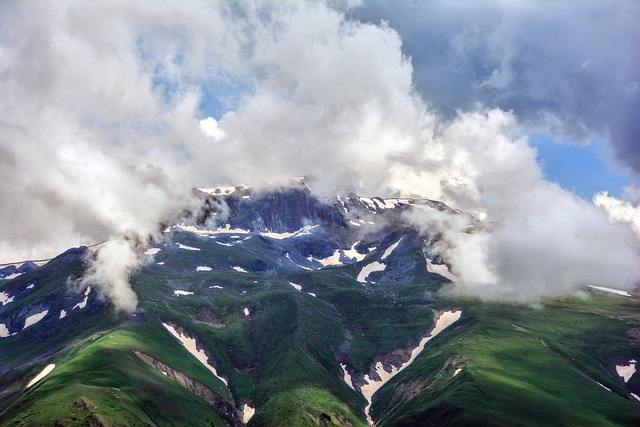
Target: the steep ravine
pixel 227 414
pixel 381 372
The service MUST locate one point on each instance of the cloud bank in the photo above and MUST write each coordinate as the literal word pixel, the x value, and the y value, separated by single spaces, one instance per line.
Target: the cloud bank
pixel 105 128
pixel 538 240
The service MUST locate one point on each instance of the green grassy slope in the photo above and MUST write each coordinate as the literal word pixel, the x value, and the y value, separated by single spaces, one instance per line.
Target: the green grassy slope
pixel 103 380
pixel 522 366
pixel 517 365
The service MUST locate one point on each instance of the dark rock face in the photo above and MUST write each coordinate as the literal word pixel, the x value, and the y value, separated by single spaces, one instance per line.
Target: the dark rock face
pixel 7 271
pixel 12 269
pixel 227 414
pixel 279 211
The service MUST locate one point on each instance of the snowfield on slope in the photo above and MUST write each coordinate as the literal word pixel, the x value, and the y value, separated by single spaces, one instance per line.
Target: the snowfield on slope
pixel 626 371
pixel 46 371
pixel 611 290
pixel 188 248
pixel 4 332
pixel 390 250
pixel 445 320
pixel 5 298
pixel 35 318
pixel 368 269
pixel 83 303
pixel 330 260
pixel 442 270
pixel 247 412
pixel 191 346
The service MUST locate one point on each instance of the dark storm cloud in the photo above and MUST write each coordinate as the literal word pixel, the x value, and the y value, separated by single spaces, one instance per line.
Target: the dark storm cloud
pixel 570 68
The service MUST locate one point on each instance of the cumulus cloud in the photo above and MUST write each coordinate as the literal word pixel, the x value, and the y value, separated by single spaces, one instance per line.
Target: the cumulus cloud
pixel 102 130
pixel 619 210
pixel 538 240
pixel 334 100
pixel 94 113
pixel 211 128
pixel 103 134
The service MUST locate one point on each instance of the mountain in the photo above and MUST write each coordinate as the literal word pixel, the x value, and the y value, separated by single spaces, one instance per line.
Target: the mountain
pixel 11 271
pixel 277 308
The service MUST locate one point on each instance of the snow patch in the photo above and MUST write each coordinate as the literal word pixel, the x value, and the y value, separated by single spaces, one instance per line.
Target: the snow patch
pixel 288 256
pixel 245 311
pixel 626 371
pixel 457 372
pixel 346 376
pixel 63 314
pixel 203 268
pixel 611 291
pixel 368 269
pixel 223 189
pixel 353 253
pixel 189 248
pixel 83 304
pixel 239 269
pixel 31 286
pixel 5 298
pixel 227 229
pixel 391 203
pixel 35 318
pixel 216 287
pixel 441 269
pixel 42 374
pixel 297 287
pixel 247 412
pixel 304 231
pixel 635 396
pixel 355 223
pixel 312 294
pixel 211 233
pixel 160 263
pixel 390 250
pixel 368 203
pixel 4 332
pixel 179 292
pixel 191 345
pixel 331 260
pixel 445 320
pixel 604 387
pixel 152 251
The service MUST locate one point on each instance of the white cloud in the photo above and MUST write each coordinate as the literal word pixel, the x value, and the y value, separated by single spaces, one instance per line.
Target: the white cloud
pixel 211 128
pixel 619 210
pixel 538 239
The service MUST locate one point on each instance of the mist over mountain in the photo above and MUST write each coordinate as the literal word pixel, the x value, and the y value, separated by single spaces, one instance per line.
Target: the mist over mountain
pixel 114 112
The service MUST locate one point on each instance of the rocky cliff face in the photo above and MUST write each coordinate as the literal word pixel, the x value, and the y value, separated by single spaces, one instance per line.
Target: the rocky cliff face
pixel 277 211
pixel 227 414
